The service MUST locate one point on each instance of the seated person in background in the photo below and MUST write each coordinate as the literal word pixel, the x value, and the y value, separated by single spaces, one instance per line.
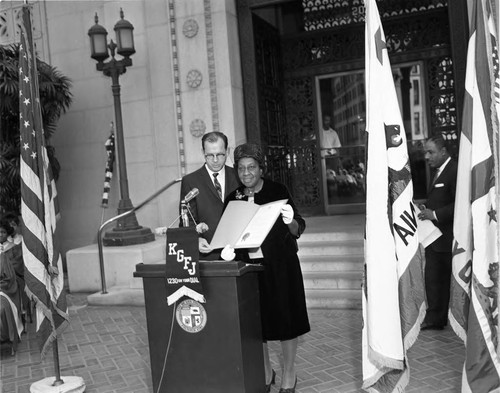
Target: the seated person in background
pixel 11 325
pixel 14 254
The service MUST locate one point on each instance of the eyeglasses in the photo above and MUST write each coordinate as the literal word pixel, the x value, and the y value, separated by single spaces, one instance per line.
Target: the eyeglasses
pixel 213 157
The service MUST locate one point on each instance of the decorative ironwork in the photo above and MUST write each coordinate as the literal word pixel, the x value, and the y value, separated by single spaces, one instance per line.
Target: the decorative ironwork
pixel 302 156
pixel 277 167
pixel 296 167
pixel 418 33
pixel 443 113
pixel 303 161
pixel 324 14
pixel 269 83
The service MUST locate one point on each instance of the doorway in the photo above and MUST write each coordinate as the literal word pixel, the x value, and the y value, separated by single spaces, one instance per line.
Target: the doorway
pixel 341 119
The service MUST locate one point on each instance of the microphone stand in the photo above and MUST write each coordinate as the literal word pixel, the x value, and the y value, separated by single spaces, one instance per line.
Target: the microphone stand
pixel 184 214
pixel 185 210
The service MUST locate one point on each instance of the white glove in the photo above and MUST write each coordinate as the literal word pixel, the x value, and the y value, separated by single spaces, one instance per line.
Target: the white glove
pixel 287 213
pixel 227 253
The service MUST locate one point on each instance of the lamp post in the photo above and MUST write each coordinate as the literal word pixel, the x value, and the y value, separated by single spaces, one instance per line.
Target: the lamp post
pixel 127 230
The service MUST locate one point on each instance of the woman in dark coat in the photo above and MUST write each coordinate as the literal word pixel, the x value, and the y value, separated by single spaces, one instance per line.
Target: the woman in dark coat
pixel 282 297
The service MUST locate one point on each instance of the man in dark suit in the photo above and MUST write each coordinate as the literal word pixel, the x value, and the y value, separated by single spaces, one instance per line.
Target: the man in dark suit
pixel 439 208
pixel 214 180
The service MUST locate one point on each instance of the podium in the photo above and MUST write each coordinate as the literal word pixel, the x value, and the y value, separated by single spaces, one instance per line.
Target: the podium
pixel 223 354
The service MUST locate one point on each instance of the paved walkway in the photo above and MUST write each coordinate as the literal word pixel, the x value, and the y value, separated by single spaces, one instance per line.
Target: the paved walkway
pixel 108 348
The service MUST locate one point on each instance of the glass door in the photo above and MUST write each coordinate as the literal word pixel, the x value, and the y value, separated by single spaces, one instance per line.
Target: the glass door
pixel 342 134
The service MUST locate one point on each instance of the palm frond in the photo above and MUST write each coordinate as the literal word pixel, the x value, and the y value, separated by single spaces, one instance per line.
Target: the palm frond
pixel 55 99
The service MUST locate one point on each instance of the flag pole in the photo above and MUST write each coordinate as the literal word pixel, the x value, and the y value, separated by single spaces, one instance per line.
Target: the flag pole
pixel 41 254
pixel 55 350
pixel 58 381
pixel 496 139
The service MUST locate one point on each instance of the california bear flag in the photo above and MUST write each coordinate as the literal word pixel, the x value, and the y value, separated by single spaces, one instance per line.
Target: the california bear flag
pixel 393 287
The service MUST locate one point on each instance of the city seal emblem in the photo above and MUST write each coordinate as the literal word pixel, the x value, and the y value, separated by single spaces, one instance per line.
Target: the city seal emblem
pixel 191 316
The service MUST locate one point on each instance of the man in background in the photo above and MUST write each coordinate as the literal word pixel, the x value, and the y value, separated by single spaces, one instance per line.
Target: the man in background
pixel 330 143
pixel 439 208
pixel 214 180
pixel 331 139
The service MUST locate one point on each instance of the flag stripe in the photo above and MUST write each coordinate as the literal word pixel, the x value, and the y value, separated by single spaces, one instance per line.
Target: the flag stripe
pixel 467 117
pixel 481 374
pixel 482 178
pixel 110 152
pixel 30 180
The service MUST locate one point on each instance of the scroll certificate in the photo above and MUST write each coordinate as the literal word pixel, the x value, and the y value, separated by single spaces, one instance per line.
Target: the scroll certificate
pixel 246 225
pixel 427 231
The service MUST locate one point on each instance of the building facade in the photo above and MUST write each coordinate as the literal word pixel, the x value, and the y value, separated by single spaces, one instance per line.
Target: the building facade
pixel 265 71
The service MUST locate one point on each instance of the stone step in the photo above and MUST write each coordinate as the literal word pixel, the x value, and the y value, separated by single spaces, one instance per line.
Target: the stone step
pixel 331 263
pixel 348 247
pixel 333 280
pixel 331 235
pixel 349 299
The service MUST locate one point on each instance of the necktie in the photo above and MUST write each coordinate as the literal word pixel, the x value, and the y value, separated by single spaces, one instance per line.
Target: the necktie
pixel 217 185
pixel 436 175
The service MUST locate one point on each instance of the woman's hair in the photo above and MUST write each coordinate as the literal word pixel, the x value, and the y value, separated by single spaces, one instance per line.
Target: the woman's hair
pixel 12 217
pixel 250 150
pixel 6 225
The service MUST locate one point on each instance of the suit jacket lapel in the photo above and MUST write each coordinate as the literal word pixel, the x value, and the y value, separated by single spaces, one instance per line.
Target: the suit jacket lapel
pixel 441 174
pixel 229 184
pixel 434 179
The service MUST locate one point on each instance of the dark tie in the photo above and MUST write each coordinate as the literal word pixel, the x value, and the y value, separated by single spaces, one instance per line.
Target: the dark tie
pixel 217 185
pixel 436 175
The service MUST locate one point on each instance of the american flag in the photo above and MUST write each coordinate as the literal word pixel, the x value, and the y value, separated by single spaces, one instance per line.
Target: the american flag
pixel 108 172
pixel 39 208
pixel 393 285
pixel 474 285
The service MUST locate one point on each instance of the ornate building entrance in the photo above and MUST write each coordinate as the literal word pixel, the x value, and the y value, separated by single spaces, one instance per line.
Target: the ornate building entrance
pixel 303 60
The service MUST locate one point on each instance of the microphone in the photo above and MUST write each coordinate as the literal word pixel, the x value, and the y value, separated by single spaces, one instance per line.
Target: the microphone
pixel 190 195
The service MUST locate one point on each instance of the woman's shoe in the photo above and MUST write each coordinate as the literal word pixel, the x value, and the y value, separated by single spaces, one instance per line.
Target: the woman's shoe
pixel 273 381
pixel 289 390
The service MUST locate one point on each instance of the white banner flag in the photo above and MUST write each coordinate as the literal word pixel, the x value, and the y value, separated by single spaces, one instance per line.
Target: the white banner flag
pixel 393 290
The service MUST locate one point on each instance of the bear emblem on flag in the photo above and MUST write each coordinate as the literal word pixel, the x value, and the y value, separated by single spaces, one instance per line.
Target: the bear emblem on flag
pixel 393 136
pixel 489 297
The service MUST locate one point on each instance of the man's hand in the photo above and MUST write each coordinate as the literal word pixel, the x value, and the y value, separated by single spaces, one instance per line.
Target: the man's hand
pixel 426 214
pixel 287 213
pixel 53 271
pixel 203 246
